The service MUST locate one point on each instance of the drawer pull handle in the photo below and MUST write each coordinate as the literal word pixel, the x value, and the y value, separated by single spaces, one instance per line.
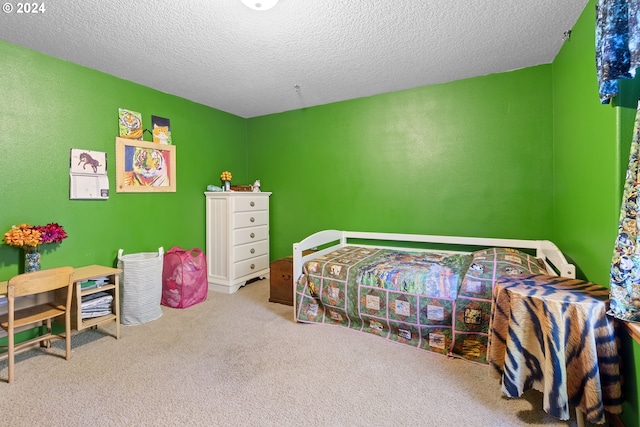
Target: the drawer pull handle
pixel 253 266
pixel 252 235
pixel 252 204
pixel 252 219
pixel 253 251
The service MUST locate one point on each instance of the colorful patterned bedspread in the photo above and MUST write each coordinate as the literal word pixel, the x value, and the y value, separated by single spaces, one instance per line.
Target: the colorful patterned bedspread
pixel 440 302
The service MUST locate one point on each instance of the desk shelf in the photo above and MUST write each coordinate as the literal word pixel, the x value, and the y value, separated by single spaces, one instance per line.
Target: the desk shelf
pixel 79 275
pixel 95 321
pixel 91 272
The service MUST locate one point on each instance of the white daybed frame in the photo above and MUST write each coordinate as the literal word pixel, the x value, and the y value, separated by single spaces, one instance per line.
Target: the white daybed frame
pixel 554 259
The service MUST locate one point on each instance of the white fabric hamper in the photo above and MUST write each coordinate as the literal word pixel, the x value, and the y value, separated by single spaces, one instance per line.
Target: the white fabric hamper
pixel 140 286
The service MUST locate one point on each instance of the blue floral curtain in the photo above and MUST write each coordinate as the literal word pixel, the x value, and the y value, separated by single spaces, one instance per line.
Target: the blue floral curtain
pixel 624 291
pixel 617 40
pixel 617 56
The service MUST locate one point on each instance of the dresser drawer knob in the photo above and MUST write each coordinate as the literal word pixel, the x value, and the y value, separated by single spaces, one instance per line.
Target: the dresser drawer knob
pixel 252 204
pixel 253 251
pixel 252 219
pixel 252 235
pixel 253 266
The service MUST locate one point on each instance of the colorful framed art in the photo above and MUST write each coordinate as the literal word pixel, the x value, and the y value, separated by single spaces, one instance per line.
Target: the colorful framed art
pixel 143 166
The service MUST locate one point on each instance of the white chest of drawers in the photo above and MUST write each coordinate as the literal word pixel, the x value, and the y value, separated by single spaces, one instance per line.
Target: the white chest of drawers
pixel 237 238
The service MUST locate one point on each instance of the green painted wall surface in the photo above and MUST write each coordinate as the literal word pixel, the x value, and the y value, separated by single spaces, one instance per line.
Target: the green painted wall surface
pixel 471 157
pixel 50 106
pixel 525 154
pixel 630 351
pixel 586 157
pixel 591 151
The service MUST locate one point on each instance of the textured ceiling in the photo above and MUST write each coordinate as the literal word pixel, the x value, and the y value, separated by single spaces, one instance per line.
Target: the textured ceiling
pixel 299 54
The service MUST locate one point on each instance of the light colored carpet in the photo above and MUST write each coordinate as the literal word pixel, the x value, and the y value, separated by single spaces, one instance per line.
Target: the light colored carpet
pixel 239 360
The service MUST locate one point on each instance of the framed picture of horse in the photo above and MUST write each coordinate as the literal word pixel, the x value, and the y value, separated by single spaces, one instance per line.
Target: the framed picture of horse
pixel 143 166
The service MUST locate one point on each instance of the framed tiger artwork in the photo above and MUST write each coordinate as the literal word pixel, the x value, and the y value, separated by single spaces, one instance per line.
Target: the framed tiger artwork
pixel 143 166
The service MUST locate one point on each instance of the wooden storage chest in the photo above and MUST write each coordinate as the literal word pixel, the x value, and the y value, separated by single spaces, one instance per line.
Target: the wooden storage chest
pixel 281 281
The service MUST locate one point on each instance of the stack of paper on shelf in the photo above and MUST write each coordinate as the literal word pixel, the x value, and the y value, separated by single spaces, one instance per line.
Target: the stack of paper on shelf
pixel 96 305
pixel 96 282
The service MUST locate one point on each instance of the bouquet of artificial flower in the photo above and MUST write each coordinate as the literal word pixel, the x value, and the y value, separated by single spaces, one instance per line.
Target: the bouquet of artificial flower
pixel 51 233
pixel 25 235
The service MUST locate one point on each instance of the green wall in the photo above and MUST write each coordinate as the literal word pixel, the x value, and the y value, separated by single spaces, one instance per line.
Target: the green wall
pixel 524 154
pixel 49 106
pixel 591 151
pixel 471 157
pixel 587 191
pixel 530 153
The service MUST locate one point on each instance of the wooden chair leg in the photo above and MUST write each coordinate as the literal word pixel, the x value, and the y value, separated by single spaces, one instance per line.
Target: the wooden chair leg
pixel 67 336
pixel 55 279
pixel 10 353
pixel 47 343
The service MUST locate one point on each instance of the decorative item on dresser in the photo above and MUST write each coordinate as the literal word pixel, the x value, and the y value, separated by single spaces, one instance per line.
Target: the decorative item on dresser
pixel 237 242
pixel 225 177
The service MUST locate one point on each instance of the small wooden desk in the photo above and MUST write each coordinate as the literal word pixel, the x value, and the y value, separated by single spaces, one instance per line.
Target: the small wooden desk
pixel 553 334
pixel 89 272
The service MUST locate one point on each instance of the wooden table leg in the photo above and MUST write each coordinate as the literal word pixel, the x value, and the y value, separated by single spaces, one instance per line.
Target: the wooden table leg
pixel 580 417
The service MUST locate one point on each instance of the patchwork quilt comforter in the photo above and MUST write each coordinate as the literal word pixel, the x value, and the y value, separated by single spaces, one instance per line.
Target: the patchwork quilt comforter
pixel 436 301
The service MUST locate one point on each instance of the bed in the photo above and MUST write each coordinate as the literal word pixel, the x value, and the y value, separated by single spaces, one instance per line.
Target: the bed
pixel 429 292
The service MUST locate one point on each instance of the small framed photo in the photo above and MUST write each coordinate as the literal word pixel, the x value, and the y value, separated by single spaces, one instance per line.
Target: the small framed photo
pixel 143 166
